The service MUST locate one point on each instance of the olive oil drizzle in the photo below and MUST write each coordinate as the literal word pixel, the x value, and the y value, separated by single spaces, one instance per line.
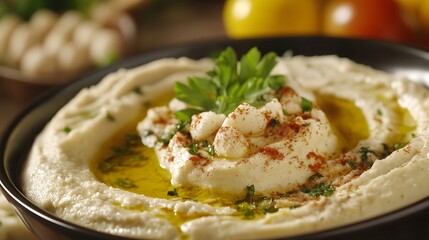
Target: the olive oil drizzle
pixel 124 162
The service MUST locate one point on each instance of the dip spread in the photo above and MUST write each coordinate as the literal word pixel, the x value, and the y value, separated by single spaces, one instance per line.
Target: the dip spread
pixel 218 149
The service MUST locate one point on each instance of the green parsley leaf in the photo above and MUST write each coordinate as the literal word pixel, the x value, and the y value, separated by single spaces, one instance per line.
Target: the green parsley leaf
pixel 285 112
pixel 204 143
pixel 186 114
pixel 399 145
pixel 165 138
pixel 274 122
pixel 269 209
pixel 193 149
pixel 321 189
pixel 306 105
pixel 247 210
pixel 229 85
pixel 364 154
pixel 211 150
pixel 137 90
pixel 352 164
pixel 315 176
pixel 250 192
pixel 67 129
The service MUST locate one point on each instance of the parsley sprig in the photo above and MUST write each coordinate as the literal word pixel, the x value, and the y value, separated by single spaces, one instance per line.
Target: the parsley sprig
pixel 230 84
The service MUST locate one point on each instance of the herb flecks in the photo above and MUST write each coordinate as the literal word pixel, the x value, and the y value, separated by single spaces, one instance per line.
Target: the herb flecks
pixel 210 150
pixel 228 85
pixel 126 153
pixel 167 136
pixel 125 183
pixel 251 205
pixel 315 176
pixel 138 90
pixel 274 122
pixel 379 112
pixel 320 189
pixel 389 149
pixel 352 164
pixel 193 149
pixel 67 129
pixel 364 157
pixel 173 193
pixel 306 104
pixel 110 117
pixel 250 193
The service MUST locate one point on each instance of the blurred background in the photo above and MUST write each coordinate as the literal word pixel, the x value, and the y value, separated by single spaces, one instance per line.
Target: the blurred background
pixel 46 43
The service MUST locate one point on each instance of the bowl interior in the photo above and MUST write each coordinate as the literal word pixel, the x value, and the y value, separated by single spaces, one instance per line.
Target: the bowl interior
pixel 20 135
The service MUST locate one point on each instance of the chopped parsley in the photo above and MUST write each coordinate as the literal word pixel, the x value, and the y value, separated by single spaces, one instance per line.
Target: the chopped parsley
pixel 320 189
pixel 352 164
pixel 110 117
pixel 250 193
pixel 138 90
pixel 364 151
pixel 211 150
pixel 147 133
pixel 274 122
pixel 285 112
pixel 398 146
pixel 270 208
pixel 186 114
pixel 204 143
pixel 67 129
pixel 306 105
pixel 126 153
pixel 166 137
pixel 379 112
pixel 193 149
pixel 250 206
pixel 125 183
pixel 173 193
pixel 315 176
pixel 387 150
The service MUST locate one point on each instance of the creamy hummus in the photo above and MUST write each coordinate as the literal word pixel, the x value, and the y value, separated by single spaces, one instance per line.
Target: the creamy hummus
pixel 339 143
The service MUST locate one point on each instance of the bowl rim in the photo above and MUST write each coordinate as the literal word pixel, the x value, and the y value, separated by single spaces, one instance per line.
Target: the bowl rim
pixel 15 195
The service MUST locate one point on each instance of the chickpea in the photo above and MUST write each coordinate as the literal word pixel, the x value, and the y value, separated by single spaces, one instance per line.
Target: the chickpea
pixel 42 22
pixel 21 40
pixel 7 25
pixel 106 43
pixel 54 42
pixel 73 58
pixel 67 23
pixel 36 61
pixel 84 33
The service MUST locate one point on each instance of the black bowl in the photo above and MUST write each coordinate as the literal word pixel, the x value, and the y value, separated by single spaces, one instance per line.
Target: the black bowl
pixel 408 223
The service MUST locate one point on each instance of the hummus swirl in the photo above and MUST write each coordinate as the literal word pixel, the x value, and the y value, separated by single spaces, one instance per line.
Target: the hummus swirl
pixel 269 147
pixel 276 170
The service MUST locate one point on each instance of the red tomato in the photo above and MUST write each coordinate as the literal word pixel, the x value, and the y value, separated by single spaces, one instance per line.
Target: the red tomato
pixel 366 19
